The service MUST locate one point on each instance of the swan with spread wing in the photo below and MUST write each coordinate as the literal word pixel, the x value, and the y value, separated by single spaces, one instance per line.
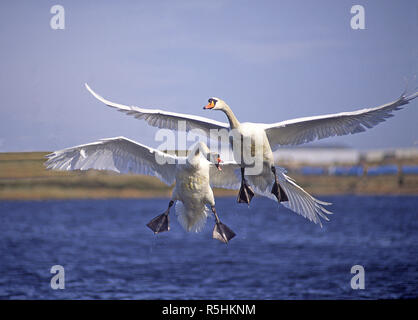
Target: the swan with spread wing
pixel 193 176
pixel 289 132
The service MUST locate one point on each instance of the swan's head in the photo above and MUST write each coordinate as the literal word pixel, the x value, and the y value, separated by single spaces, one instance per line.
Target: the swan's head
pixel 215 104
pixel 214 158
pixel 217 161
pixel 201 149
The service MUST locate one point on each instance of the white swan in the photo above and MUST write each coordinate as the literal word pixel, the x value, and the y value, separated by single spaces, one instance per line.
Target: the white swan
pixel 290 132
pixel 297 131
pixel 193 175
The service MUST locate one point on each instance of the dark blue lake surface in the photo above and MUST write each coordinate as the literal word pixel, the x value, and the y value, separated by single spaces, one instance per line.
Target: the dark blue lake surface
pixel 109 253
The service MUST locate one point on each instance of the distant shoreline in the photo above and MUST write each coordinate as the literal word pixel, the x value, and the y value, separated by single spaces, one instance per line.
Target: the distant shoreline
pixel 23 177
pixel 168 197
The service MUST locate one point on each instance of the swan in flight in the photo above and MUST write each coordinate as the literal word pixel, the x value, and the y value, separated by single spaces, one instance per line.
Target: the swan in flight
pixel 193 176
pixel 289 132
pixel 298 131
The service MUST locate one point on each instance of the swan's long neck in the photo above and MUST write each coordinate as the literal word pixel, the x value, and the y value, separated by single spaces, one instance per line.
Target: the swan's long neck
pixel 233 121
pixel 200 147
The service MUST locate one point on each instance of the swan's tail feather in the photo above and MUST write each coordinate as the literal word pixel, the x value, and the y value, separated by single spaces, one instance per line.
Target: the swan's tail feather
pixel 192 219
pixel 300 201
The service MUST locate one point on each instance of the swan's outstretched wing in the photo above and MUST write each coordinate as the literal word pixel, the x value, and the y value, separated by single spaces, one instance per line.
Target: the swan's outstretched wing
pixel 300 201
pixel 302 130
pixel 227 178
pixel 116 154
pixel 164 119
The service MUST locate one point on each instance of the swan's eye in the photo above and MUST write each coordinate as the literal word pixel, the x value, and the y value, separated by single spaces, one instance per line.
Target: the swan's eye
pixel 211 104
pixel 212 101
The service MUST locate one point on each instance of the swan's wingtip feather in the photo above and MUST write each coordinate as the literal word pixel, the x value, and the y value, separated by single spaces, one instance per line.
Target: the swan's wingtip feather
pixel 89 89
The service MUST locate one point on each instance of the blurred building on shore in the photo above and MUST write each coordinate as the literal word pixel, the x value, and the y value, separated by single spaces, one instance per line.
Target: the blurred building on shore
pixel 316 156
pixel 341 160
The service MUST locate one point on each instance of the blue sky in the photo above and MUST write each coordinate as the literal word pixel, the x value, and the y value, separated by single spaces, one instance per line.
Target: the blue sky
pixel 269 60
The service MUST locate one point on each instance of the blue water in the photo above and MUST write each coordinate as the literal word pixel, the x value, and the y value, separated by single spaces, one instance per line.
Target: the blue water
pixel 109 253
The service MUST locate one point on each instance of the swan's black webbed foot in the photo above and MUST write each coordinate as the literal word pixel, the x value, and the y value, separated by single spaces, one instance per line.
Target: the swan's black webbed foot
pixel 161 223
pixel 277 190
pixel 221 231
pixel 245 193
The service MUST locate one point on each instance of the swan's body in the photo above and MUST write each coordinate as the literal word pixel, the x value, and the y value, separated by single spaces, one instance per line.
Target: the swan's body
pixel 249 130
pixel 194 191
pixel 192 174
pixel 290 132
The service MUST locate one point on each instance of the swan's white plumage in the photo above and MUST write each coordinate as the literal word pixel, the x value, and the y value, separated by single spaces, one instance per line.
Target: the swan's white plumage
pixel 192 174
pixel 302 130
pixel 126 156
pixel 289 132
pixel 118 154
pixel 300 201
pixel 192 218
pixel 164 119
pixel 227 178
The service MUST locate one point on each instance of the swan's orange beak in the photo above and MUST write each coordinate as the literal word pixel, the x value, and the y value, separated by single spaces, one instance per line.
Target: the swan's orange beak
pixel 210 105
pixel 218 165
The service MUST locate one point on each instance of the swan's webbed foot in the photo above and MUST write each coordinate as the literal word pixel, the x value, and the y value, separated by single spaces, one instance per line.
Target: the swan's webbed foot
pixel 277 190
pixel 245 193
pixel 161 223
pixel 221 231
